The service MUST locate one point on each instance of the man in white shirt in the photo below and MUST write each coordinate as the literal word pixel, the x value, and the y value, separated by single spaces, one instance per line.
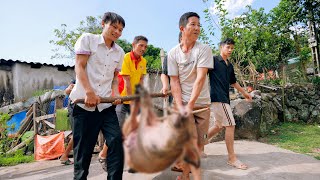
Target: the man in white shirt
pixel 188 64
pixel 98 62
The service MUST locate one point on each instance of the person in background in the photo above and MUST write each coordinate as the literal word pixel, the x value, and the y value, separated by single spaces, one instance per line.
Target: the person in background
pixel 221 77
pixel 133 70
pixel 64 159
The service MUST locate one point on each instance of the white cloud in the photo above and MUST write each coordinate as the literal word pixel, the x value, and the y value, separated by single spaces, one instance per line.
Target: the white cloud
pixel 233 7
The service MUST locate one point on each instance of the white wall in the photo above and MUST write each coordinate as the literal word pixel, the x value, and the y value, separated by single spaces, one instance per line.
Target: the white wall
pixel 27 80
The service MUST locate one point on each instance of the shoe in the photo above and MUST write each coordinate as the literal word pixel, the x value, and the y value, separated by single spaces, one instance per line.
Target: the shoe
pixel 66 162
pixel 103 163
pixel 238 164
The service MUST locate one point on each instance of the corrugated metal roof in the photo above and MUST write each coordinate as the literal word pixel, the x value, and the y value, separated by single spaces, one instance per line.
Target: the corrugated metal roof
pixel 42 63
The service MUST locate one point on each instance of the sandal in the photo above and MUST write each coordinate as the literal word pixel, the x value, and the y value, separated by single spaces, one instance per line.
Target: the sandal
pixel 238 164
pixel 66 162
pixel 176 169
pixel 103 163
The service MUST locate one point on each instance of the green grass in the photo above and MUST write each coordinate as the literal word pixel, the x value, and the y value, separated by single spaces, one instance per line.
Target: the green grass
pixel 300 138
pixel 14 159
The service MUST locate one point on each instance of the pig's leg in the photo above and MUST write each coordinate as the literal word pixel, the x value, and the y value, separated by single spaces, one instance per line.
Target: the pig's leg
pixel 131 123
pixel 192 160
pixel 147 113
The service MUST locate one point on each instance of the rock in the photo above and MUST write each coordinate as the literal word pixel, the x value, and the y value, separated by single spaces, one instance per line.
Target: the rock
pixel 247 116
pixel 277 103
pixel 269 117
pixel 303 113
pixel 255 93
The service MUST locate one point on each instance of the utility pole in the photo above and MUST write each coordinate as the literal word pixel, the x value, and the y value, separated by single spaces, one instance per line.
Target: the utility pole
pixel 314 43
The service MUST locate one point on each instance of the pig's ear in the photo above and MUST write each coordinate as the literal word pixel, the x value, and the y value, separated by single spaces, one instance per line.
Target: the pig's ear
pixel 191 155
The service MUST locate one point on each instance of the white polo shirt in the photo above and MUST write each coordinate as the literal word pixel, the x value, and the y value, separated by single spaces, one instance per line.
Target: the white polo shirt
pixel 185 67
pixel 101 65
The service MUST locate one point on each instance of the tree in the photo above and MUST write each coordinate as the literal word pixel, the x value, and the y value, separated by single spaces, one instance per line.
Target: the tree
pixel 65 40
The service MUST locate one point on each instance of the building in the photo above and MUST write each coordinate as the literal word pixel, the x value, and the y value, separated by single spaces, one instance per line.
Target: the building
pixel 20 79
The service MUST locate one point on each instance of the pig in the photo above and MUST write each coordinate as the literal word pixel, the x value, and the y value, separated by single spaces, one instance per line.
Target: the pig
pixel 153 143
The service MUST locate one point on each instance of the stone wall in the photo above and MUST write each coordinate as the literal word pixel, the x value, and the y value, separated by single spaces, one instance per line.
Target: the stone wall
pixel 255 119
pixel 302 104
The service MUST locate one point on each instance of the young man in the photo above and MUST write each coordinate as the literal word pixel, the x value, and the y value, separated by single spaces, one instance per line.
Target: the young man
pixel 188 64
pixel 98 62
pixel 133 70
pixel 221 77
pixel 64 159
pixel 134 67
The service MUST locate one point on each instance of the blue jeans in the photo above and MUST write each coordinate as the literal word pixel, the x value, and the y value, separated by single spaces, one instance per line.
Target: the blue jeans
pixel 86 127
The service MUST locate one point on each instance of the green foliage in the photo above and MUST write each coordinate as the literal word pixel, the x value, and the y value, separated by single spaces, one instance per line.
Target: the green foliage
pixel 300 138
pixel 5 141
pixel 275 82
pixel 316 81
pixel 15 158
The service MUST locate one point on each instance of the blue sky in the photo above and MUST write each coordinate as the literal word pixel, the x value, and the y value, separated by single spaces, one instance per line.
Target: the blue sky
pixel 27 26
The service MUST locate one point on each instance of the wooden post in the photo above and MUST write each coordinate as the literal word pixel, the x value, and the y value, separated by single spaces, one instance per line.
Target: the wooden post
pixel 35 128
pixel 165 99
pixel 58 105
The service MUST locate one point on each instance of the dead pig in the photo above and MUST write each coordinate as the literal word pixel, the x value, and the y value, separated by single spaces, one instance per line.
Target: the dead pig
pixel 152 143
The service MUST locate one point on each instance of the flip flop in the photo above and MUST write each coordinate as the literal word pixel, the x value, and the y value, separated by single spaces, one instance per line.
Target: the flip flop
pixel 103 163
pixel 66 162
pixel 238 164
pixel 176 169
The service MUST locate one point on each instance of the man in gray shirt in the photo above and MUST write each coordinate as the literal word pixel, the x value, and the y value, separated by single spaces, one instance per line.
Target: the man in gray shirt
pixel 188 64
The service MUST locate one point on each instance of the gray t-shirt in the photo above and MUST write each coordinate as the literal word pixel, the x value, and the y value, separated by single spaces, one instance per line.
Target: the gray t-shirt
pixel 185 66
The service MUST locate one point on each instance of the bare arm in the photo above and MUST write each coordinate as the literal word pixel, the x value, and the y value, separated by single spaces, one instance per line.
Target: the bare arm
pixel 115 84
pixel 141 80
pixel 197 86
pixel 91 98
pixel 127 84
pixel 242 91
pixel 176 91
pixel 165 83
pixel 69 89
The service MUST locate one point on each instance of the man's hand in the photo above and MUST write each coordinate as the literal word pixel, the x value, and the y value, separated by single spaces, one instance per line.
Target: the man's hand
pixel 91 99
pixel 247 96
pixel 117 101
pixel 165 90
pixel 185 111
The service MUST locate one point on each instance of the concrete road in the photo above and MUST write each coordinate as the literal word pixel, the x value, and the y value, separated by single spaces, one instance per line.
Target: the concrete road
pixel 265 162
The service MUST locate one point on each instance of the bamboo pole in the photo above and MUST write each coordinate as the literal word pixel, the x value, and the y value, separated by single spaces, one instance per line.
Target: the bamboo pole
pixel 123 98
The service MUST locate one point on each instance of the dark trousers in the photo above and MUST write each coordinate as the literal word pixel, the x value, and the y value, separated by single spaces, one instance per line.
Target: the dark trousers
pixel 122 110
pixel 86 128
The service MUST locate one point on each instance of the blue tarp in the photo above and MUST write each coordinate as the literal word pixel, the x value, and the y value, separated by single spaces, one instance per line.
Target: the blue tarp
pixel 14 123
pixel 52 103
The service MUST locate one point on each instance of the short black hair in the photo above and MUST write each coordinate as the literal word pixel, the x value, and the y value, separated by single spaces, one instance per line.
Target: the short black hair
pixel 184 18
pixel 180 36
pixel 113 18
pixel 227 41
pixel 138 38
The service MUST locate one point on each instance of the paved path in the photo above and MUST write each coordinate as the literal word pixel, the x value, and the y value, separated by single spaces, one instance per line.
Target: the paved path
pixel 266 162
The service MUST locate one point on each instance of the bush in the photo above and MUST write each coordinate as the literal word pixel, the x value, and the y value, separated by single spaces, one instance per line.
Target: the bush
pixel 15 158
pixel 316 80
pixel 5 141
